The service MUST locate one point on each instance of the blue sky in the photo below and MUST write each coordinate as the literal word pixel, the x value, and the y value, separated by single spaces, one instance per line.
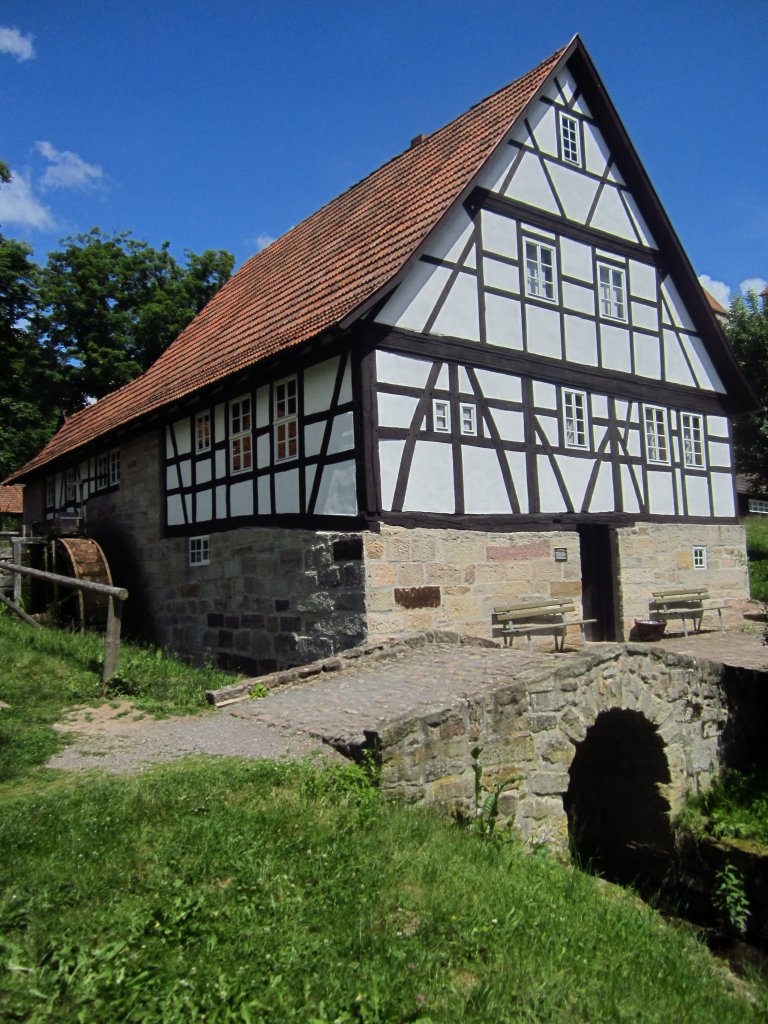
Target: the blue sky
pixel 221 124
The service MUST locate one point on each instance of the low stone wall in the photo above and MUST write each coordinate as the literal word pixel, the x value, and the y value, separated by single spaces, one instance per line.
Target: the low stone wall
pixel 530 726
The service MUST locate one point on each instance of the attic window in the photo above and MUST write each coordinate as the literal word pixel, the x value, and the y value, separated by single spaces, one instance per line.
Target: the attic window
pixel 569 140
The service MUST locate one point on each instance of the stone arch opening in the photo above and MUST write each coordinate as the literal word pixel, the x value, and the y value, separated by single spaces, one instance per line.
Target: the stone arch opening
pixel 618 819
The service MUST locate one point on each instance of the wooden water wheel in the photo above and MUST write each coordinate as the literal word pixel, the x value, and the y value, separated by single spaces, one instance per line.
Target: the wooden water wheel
pixel 82 559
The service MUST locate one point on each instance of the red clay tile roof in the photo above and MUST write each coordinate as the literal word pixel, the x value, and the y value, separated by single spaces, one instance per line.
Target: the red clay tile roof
pixel 714 304
pixel 319 272
pixel 11 499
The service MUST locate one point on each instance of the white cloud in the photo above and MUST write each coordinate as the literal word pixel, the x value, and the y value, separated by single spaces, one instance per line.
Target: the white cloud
pixel 67 169
pixel 718 289
pixel 17 45
pixel 753 284
pixel 262 241
pixel 18 205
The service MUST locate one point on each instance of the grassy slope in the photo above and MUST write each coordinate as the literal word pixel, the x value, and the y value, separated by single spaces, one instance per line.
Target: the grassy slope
pixel 229 891
pixel 757 553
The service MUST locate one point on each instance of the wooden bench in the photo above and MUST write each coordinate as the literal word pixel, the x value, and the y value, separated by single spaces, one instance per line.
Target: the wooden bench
pixel 525 618
pixel 684 604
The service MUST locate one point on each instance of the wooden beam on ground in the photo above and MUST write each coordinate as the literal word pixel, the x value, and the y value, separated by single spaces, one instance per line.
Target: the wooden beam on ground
pixel 18 610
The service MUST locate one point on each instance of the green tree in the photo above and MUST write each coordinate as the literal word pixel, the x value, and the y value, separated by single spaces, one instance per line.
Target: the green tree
pixel 747 332
pixel 110 305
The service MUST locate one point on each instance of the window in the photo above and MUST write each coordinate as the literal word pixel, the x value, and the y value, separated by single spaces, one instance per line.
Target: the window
pixel 441 416
pixel 50 492
pixel 240 444
pixel 699 558
pixel 203 432
pixel 758 505
pixel 199 551
pixel 569 139
pixel 656 447
pixel 114 467
pixel 575 419
pixel 539 271
pixel 468 415
pixel 692 427
pixel 69 486
pixel 613 302
pixel 286 420
pixel 102 471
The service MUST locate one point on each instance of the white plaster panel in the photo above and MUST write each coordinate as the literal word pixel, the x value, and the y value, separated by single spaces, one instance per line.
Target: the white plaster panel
pixel 706 374
pixel 203 471
pixel 187 499
pixel 543 121
pixel 499 234
pixel 337 495
pixel 599 405
pixel 680 315
pixel 629 497
pixel 395 369
pixel 175 510
pixel 678 487
pixel 580 341
pixel 501 275
pixel 342 434
pixel 510 425
pixel 241 498
pixel 661 497
pixel 596 152
pixel 645 316
pixel 318 385
pixel 219 423
pixel 459 316
pixel 262 408
pixel 204 505
pixel 550 496
pixel 443 380
pixel 575 473
pixel 345 392
pixel 575 190
pixel 264 496
pixel 550 428
pixel 720 454
pixel 495 169
pixel 615 175
pixel 183 436
pixel 675 366
pixel 581 107
pixel 517 467
pixel 484 490
pixel 503 322
pixel 722 494
pixel 610 215
pixel 221 502
pixel 543 331
pixel 500 385
pixel 185 472
pixel 642 228
pixel 465 388
pixel 171 477
pixel 396 410
pixel 614 348
pixel 430 482
pixel 647 356
pixel 634 445
pixel 567 83
pixel 310 472
pixel 598 433
pixel 578 297
pixel 220 461
pixel 622 409
pixel 529 185
pixel 390 454
pixel 313 440
pixel 287 491
pixel 603 499
pixel 451 235
pixel 697 493
pixel 415 297
pixel 717 426
pixel 576 260
pixel 642 280
pixel 544 395
pixel 551 90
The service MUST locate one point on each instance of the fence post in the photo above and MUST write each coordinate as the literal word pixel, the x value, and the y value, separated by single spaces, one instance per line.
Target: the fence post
pixel 112 639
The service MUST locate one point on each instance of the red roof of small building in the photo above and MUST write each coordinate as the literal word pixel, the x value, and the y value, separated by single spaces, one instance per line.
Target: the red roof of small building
pixel 319 272
pixel 714 304
pixel 11 499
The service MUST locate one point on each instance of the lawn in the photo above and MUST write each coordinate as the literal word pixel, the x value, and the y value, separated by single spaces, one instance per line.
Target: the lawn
pixel 757 554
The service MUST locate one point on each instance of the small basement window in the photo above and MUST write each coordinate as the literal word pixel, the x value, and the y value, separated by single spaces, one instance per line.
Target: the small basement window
pixel 758 505
pixel 699 557
pixel 199 551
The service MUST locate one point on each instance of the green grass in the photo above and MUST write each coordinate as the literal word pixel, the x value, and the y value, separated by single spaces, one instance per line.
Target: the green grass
pixel 735 807
pixel 46 671
pixel 757 554
pixel 224 891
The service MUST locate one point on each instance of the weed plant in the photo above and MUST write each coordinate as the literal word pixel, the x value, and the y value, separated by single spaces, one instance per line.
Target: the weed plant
pixel 735 806
pixel 264 893
pixel 757 554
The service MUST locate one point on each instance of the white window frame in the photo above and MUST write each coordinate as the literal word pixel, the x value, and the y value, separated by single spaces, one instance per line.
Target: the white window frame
pixel 540 271
pixel 203 431
pixel 200 550
pixel 612 292
pixel 240 435
pixel 441 415
pixel 758 505
pixel 699 556
pixel 286 419
pixel 575 419
pixel 656 430
pixel 50 492
pixel 114 467
pixel 692 440
pixel 468 419
pixel 102 471
pixel 70 486
pixel 570 141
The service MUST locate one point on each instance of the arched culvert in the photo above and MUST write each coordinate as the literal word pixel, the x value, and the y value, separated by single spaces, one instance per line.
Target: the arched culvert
pixel 618 820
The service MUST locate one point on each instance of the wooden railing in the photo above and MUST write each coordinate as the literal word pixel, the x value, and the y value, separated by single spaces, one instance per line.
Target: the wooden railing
pixel 116 597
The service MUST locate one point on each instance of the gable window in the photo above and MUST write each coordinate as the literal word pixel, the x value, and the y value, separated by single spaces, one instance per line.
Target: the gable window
pixel 114 467
pixel 240 441
pixel 692 429
pixel 286 420
pixel 539 271
pixel 441 416
pixel 468 414
pixel 569 139
pixel 203 432
pixel 656 443
pixel 102 471
pixel 699 558
pixel 613 291
pixel 575 419
pixel 199 551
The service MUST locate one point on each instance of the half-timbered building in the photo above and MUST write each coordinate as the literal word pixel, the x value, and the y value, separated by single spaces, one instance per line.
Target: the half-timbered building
pixel 487 371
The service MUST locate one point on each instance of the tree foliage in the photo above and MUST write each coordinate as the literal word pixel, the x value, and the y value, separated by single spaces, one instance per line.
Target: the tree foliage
pixel 748 334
